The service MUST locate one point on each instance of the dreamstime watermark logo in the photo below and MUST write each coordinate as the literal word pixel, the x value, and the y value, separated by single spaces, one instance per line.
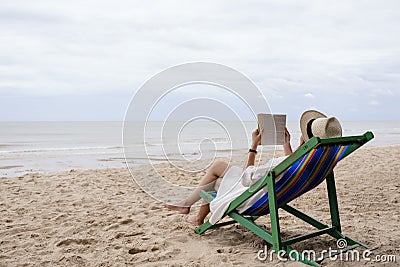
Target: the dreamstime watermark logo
pixel 340 253
pixel 341 243
pixel 185 117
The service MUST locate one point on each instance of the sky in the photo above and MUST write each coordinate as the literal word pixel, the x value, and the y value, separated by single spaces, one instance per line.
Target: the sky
pixel 84 60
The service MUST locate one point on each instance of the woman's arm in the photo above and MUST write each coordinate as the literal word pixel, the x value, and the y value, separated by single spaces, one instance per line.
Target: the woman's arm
pixel 255 141
pixel 287 148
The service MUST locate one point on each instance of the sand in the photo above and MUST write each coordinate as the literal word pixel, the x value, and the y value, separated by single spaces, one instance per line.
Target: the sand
pixel 102 218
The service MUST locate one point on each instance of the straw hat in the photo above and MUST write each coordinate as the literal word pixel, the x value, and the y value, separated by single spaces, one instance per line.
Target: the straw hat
pixel 314 123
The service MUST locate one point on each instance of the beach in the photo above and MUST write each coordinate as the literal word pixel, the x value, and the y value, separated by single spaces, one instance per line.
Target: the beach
pixel 112 113
pixel 101 217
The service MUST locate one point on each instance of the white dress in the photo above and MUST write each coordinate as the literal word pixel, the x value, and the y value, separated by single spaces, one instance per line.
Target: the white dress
pixel 234 183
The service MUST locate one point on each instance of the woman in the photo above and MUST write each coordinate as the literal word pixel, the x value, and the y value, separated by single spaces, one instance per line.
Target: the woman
pixel 231 181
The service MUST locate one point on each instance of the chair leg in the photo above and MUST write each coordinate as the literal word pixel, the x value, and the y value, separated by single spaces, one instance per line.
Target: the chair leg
pixel 334 209
pixel 274 216
pixel 333 204
pixel 204 227
pixel 252 226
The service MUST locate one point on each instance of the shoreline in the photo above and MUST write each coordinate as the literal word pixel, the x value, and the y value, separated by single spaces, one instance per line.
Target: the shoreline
pixel 7 171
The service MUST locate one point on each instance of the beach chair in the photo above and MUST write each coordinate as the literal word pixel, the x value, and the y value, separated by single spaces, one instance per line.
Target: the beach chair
pixel 307 167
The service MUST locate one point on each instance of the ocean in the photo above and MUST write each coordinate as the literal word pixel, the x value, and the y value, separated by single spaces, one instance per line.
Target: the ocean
pixel 43 147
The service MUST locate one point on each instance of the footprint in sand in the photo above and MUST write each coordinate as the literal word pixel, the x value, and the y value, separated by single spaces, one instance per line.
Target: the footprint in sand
pixel 228 251
pixel 173 240
pixel 69 241
pixel 136 250
pixel 182 239
pixel 126 221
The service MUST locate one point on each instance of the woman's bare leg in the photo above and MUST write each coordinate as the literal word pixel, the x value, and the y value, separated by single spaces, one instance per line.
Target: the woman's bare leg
pixel 216 170
pixel 217 183
pixel 204 209
pixel 198 219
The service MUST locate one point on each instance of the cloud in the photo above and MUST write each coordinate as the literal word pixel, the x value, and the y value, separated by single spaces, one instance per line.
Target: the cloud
pixel 381 92
pixel 374 103
pixel 309 95
pixel 55 48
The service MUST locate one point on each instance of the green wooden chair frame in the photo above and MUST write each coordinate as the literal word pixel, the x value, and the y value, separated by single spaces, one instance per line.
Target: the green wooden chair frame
pixel 274 237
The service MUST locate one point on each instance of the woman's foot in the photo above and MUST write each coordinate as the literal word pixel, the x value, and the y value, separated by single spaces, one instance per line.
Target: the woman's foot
pixel 178 208
pixel 193 219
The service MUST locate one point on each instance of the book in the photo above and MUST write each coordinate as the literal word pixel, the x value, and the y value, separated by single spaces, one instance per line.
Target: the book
pixel 274 128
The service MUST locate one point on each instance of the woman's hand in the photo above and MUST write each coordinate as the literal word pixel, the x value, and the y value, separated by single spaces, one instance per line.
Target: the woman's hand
pixel 287 148
pixel 287 136
pixel 256 138
pixel 255 141
pixel 301 141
